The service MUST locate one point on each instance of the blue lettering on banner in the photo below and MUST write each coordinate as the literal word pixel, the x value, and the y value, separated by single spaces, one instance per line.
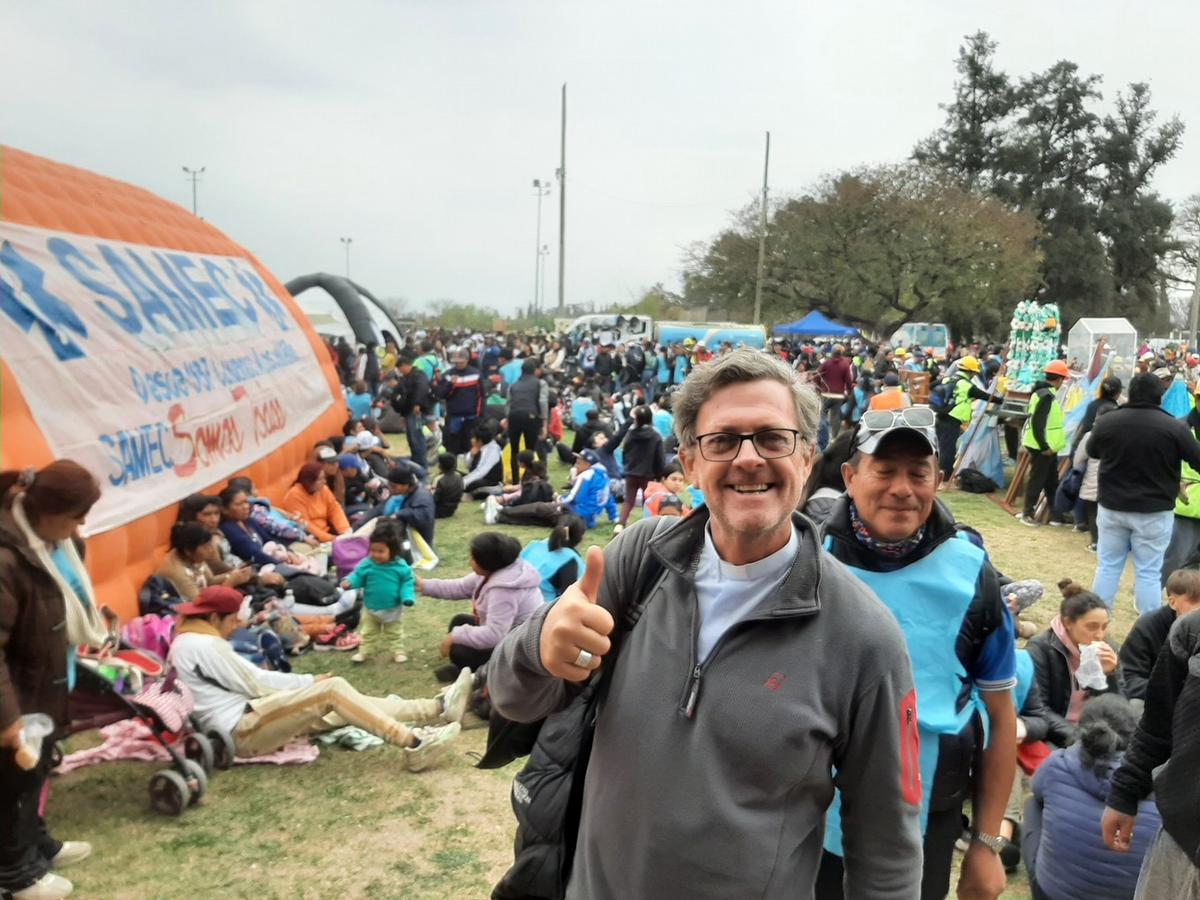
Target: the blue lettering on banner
pixel 203 289
pixel 73 261
pixel 151 304
pixel 188 304
pixel 53 317
pixel 137 453
pixel 216 275
pixel 160 386
pixel 267 301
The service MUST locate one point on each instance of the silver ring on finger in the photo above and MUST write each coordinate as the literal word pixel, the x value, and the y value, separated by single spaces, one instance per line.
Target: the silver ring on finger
pixel 584 659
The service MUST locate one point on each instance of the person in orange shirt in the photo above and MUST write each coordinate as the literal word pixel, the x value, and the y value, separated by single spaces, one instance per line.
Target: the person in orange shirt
pixel 311 501
pixel 892 396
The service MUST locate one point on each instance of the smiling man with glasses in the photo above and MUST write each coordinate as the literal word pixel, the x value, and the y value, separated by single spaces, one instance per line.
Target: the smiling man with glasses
pixel 757 670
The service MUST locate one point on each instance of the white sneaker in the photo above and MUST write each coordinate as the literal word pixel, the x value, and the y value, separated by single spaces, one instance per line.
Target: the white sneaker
pixel 618 528
pixel 491 510
pixel 1028 520
pixel 359 657
pixel 48 887
pixel 72 852
pixel 454 700
pixel 435 741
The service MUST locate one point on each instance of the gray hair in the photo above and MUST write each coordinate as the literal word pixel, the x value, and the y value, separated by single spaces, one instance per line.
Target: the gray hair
pixel 737 367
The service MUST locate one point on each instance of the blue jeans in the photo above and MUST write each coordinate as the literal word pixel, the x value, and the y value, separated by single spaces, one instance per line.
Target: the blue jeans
pixel 417 448
pixel 1145 536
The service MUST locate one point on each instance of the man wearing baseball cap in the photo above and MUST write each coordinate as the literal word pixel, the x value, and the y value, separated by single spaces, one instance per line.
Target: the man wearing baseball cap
pixel 1045 438
pixel 263 710
pixel 893 535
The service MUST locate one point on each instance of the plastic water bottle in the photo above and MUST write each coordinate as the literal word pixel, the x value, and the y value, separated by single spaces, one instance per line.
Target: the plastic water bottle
pixel 289 599
pixel 35 728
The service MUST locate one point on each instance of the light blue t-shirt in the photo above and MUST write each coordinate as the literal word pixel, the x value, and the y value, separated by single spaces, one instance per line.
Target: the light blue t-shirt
pixel 728 593
pixel 59 558
pixel 663 422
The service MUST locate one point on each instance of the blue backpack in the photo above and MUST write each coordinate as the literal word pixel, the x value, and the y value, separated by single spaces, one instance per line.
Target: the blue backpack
pixel 941 397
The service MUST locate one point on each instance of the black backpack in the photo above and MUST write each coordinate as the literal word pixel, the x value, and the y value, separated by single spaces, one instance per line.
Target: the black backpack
pixel 157 597
pixel 973 481
pixel 547 794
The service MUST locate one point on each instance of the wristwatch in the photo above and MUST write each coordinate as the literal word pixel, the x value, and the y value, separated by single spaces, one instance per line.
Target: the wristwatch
pixel 993 842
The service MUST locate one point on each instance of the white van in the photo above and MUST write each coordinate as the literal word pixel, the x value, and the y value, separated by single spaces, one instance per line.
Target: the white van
pixel 926 334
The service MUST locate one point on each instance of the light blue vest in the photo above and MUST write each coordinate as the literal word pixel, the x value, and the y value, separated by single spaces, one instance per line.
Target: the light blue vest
pixel 547 562
pixel 929 600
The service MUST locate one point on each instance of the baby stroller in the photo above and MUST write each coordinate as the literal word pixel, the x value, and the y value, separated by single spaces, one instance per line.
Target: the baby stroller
pixel 115 685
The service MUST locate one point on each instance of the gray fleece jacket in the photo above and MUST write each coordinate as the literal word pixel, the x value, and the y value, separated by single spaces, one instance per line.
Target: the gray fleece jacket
pixel 730 800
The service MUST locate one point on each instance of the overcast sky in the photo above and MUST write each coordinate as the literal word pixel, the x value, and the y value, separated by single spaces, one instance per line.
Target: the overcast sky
pixel 416 128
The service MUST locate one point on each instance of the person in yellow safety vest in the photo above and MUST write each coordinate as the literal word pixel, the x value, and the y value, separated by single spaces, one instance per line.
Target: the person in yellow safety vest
pixel 954 415
pixel 1044 439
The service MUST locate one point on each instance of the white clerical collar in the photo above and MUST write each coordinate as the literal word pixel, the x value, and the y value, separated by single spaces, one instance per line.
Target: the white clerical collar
pixel 773 566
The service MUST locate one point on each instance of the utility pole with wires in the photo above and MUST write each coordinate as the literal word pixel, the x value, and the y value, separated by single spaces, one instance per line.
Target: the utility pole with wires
pixel 762 236
pixel 194 175
pixel 346 242
pixel 562 202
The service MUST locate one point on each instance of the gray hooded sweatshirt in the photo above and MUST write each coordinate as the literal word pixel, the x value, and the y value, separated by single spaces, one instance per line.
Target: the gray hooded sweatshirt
pixel 712 780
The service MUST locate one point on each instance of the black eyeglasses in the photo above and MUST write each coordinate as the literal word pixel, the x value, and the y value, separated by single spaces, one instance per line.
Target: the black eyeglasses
pixel 770 443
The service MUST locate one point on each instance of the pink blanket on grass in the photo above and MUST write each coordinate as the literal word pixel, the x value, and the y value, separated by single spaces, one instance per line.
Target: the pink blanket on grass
pixel 131 739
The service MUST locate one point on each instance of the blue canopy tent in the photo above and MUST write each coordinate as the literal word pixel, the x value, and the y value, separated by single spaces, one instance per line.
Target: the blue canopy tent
pixel 815 325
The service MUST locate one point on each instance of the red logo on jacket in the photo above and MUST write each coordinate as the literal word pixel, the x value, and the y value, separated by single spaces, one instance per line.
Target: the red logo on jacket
pixel 775 682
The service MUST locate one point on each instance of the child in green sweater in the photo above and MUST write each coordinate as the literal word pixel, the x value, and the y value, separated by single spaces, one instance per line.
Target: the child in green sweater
pixel 386 582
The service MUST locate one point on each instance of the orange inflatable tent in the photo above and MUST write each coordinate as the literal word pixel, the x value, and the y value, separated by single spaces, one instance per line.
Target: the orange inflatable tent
pixel 140 341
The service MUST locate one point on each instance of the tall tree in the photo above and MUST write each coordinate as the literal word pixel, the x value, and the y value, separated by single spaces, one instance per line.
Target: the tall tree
pixel 970 143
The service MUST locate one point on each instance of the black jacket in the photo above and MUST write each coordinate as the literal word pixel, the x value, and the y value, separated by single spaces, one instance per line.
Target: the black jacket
pixel 1140 448
pixel 1054 683
pixel 1169 732
pixel 1038 726
pixel 1141 648
pixel 643 453
pixel 447 494
pixel 1089 418
pixel 414 390
pixel 417 512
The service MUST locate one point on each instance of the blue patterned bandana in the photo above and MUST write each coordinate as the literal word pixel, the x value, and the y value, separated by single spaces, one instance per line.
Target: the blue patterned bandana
pixel 887 549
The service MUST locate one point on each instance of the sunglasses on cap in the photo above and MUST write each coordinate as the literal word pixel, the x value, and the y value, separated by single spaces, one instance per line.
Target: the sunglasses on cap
pixel 876 424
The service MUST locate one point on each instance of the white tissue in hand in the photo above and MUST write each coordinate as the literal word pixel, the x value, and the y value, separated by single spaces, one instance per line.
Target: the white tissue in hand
pixel 1090 673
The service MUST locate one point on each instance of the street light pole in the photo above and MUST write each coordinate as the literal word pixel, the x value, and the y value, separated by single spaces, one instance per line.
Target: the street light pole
pixel 194 174
pixel 543 252
pixel 762 236
pixel 542 188
pixel 562 202
pixel 346 243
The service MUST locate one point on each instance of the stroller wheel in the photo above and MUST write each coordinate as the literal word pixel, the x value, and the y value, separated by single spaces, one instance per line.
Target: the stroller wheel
pixel 222 748
pixel 169 792
pixel 197 781
pixel 199 749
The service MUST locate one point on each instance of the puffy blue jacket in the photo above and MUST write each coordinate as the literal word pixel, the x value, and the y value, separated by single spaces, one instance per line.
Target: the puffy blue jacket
pixel 1062 833
pixel 589 496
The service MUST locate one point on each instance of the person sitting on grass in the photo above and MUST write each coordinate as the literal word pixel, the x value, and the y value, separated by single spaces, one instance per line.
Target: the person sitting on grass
pixel 448 488
pixel 262 711
pixel 386 582
pixel 1064 853
pixel 310 500
pixel 410 503
pixel 358 402
pixel 186 565
pixel 1149 633
pixel 227 569
pixel 269 521
pixel 504 591
pixel 674 484
pixel 534 488
pixel 587 497
pixel 485 464
pixel 555 557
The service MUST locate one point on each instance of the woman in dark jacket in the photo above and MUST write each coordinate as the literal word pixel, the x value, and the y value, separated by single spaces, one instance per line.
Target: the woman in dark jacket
pixel 643 459
pixel 47 604
pixel 1110 391
pixel 1082 620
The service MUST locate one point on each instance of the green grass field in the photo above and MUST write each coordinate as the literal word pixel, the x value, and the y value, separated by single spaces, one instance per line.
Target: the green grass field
pixel 357 824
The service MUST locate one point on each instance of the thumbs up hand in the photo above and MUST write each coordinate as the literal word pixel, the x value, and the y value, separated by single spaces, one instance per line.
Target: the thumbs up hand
pixel 575 633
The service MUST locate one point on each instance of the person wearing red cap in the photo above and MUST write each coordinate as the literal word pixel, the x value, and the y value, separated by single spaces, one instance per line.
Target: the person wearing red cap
pixel 1045 438
pixel 263 710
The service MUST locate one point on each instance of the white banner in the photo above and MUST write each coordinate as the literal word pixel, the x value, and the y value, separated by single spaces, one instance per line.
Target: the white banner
pixel 160 371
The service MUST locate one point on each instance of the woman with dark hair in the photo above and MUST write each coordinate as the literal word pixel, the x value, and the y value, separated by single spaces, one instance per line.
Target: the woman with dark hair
pixel 643 458
pixel 228 570
pixel 310 501
pixel 504 591
pixel 187 564
pixel 555 558
pixel 825 485
pixel 47 607
pixel 1106 399
pixel 1064 852
pixel 1082 621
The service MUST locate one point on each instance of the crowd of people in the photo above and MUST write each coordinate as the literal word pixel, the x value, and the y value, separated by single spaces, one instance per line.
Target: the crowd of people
pixel 793 493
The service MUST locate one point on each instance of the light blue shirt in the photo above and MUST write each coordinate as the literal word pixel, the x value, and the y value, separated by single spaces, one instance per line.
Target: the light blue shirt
pixel 727 594
pixel 59 558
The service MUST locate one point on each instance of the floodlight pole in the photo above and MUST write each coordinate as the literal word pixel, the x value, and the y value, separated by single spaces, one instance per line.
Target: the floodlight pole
pixel 762 236
pixel 194 174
